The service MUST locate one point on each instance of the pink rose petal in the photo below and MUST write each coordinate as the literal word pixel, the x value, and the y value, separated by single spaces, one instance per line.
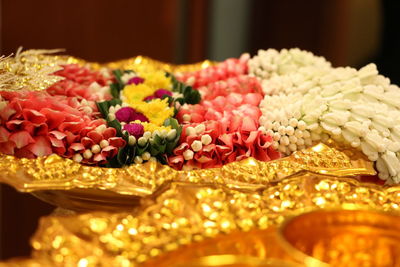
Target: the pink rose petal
pixel 21 138
pixel 41 147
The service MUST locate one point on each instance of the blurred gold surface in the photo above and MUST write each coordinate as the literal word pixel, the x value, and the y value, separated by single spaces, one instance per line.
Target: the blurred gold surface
pixel 344 238
pixel 71 185
pixel 141 63
pixel 185 222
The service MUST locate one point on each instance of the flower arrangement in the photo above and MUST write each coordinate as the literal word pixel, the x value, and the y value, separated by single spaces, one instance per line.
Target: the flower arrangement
pixel 264 107
pixel 119 117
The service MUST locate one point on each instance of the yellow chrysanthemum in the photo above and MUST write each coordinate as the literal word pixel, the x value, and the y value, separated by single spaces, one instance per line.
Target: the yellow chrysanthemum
pixel 136 93
pixel 157 110
pixel 150 127
pixel 156 80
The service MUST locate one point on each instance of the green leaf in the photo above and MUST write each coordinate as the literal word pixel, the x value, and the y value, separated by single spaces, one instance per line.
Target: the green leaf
pixel 118 74
pixel 103 108
pixel 140 150
pixel 117 125
pixel 122 156
pixel 115 88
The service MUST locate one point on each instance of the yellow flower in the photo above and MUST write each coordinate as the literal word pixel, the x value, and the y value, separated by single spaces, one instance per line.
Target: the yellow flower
pixel 157 110
pixel 150 127
pixel 136 93
pixel 156 80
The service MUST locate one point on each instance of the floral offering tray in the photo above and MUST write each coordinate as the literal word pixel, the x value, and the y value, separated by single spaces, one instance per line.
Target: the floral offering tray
pixel 233 163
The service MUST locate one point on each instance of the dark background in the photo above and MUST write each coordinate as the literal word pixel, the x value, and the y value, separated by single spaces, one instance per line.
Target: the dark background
pixel 346 32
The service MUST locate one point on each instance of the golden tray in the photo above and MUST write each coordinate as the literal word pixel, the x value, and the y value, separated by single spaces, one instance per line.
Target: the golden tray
pixel 237 215
pixel 70 185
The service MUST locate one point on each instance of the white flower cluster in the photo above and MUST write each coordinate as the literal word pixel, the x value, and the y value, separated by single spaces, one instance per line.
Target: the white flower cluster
pixel 360 108
pixel 287 70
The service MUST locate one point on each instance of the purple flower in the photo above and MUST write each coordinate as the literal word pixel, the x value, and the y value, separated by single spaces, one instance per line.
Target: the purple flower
pixel 136 80
pixel 125 114
pixel 139 116
pixel 161 92
pixel 135 129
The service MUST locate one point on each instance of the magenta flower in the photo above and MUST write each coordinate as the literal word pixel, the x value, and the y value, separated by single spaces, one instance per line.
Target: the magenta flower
pixel 161 92
pixel 136 80
pixel 125 114
pixel 140 117
pixel 128 114
pixel 149 98
pixel 135 129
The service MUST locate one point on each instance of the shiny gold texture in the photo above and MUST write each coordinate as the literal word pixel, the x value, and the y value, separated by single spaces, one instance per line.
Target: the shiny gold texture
pixel 344 238
pixel 53 177
pixel 186 222
pixel 33 69
pixel 142 63
pixel 30 69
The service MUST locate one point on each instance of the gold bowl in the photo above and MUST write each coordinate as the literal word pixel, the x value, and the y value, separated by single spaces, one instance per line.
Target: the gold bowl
pixel 343 238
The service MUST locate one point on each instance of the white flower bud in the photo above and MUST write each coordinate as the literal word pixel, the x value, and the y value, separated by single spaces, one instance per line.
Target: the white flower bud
pixel 293 122
pixel 190 131
pixel 281 130
pixel 104 143
pixel 146 156
pixel 87 154
pixel 275 126
pixel 156 132
pixel 95 149
pixel 293 147
pixel 171 135
pixel 186 117
pixel 289 130
pixel 84 102
pixel 188 154
pixel 163 133
pixel 88 110
pixel 101 128
pixel 200 128
pixel 298 133
pixel 131 140
pixel 138 160
pixel 77 157
pixel 300 142
pixel 206 139
pixel 292 139
pixel 147 134
pixel 282 149
pixel 153 159
pixel 275 145
pixel 142 141
pixel 301 125
pixel 151 140
pixel 196 145
pixel 277 136
pixel 111 116
pixel 284 140
pixel 375 141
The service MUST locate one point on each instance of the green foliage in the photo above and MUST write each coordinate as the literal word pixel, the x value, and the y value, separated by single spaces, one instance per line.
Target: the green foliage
pixel 190 95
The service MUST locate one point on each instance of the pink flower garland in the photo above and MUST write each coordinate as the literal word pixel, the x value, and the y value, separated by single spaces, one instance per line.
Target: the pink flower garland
pixel 223 128
pixel 35 124
pixel 218 145
pixel 77 83
pixel 229 68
